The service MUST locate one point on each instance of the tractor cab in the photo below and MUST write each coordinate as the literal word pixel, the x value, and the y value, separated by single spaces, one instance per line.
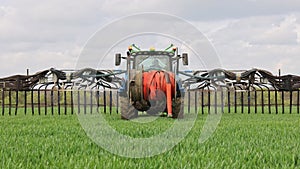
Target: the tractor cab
pixel 148 61
pixel 165 60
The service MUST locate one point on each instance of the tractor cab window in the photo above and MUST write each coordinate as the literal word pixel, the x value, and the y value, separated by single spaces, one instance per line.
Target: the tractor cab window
pixel 153 62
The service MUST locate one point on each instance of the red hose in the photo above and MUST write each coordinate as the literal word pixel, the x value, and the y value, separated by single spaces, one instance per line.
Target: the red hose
pixel 159 80
pixel 169 99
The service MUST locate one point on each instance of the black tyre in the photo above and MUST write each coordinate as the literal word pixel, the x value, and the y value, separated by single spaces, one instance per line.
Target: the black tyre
pixel 178 108
pixel 127 110
pixel 156 107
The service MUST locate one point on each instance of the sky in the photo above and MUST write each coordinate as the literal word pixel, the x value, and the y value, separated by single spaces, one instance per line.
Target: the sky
pixel 246 34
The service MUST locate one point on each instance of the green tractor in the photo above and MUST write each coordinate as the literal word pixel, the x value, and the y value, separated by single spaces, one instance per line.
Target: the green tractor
pixel 152 82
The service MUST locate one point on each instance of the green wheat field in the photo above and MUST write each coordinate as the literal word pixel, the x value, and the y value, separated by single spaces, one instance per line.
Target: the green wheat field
pixel 240 141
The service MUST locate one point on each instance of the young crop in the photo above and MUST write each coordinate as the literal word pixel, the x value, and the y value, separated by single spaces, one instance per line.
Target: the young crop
pixel 240 141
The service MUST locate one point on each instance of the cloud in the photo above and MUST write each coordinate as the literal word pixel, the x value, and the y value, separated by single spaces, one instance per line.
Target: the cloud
pixel 39 35
pixel 283 33
pixel 248 33
pixel 267 42
pixel 202 10
pixel 37 60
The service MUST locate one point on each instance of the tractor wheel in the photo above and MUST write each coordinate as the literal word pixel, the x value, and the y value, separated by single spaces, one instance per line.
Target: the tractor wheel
pixel 127 110
pixel 137 89
pixel 178 108
pixel 156 107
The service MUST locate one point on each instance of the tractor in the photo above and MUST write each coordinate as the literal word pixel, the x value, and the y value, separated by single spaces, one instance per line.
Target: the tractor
pixel 151 83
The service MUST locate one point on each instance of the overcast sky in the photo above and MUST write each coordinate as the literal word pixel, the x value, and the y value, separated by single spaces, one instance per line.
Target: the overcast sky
pixel 246 33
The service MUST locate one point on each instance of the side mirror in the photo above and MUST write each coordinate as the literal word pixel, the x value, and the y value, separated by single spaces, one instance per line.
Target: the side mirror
pixel 118 59
pixel 185 59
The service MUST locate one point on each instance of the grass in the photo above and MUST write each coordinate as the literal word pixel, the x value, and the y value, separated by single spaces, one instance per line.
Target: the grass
pixel 240 141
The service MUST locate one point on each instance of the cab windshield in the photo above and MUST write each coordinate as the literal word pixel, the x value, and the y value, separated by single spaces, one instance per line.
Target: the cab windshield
pixel 153 62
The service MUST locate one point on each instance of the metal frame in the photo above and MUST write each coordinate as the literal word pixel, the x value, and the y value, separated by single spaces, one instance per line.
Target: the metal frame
pixel 201 86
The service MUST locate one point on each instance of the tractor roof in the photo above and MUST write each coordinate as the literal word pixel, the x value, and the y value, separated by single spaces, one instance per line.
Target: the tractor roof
pixel 165 53
pixel 134 51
